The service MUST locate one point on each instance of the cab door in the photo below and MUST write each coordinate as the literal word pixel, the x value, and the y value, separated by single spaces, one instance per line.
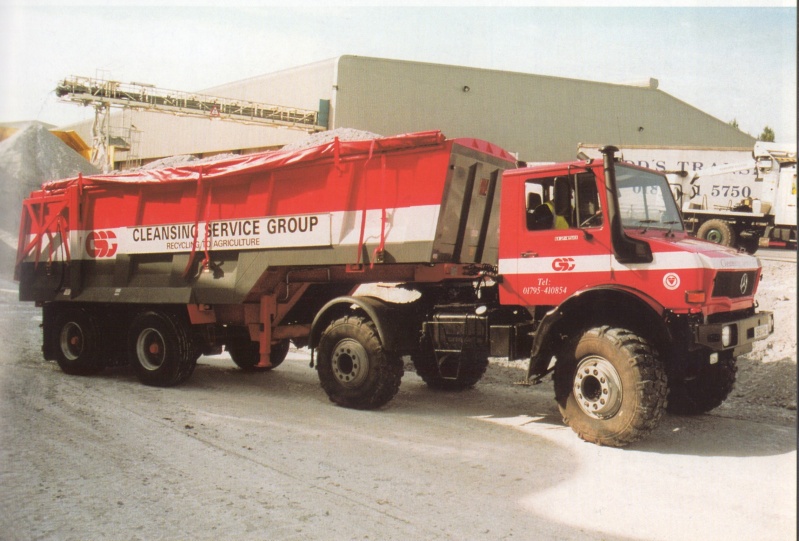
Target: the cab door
pixel 560 239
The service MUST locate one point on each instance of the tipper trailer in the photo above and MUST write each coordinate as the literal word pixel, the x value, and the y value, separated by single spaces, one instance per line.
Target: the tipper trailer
pixel 584 268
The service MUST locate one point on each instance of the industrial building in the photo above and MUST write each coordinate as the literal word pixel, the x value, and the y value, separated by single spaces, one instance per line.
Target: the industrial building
pixel 537 117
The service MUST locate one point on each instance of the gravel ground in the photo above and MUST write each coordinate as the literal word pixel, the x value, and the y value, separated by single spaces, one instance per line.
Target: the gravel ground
pixel 235 455
pixel 766 385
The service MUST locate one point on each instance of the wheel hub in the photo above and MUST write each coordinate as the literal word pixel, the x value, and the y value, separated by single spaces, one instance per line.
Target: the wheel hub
pixel 350 363
pixel 150 349
pixel 597 387
pixel 714 235
pixel 71 341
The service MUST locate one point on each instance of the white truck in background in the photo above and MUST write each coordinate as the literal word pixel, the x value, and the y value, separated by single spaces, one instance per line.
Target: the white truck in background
pixel 735 197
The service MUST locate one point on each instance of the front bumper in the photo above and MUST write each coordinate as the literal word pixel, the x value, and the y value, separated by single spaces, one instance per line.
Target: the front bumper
pixel 737 335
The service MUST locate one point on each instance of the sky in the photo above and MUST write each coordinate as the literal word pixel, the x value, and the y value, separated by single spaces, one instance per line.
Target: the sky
pixel 733 60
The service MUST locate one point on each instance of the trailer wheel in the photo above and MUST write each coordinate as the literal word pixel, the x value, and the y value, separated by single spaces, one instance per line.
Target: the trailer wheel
pixel 452 372
pixel 610 386
pixel 245 353
pixel 354 369
pixel 707 390
pixel 160 349
pixel 717 231
pixel 79 350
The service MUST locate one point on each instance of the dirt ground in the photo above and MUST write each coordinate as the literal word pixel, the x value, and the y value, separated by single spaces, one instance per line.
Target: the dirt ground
pixel 235 455
pixel 766 381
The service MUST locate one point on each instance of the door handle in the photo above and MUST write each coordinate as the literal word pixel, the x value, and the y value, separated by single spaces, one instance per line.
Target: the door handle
pixel 529 254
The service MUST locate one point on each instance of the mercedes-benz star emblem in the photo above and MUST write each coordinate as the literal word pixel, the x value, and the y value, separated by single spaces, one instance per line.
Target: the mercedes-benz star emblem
pixel 744 283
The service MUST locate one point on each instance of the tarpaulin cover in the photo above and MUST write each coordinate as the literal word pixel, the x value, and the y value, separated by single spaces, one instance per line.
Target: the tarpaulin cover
pixel 253 163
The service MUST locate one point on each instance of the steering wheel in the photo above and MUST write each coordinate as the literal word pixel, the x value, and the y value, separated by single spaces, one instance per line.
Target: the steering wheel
pixel 595 219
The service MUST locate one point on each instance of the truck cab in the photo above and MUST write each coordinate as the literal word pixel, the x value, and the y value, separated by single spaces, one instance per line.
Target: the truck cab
pixel 597 253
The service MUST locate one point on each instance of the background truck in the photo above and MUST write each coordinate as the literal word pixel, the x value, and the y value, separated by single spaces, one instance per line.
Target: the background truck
pixel 584 268
pixel 744 204
pixel 735 198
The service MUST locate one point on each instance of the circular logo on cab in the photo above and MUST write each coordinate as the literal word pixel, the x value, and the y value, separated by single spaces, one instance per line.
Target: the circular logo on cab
pixel 671 281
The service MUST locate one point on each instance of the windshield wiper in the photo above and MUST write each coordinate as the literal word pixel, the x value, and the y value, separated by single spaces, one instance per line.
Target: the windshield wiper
pixel 670 233
pixel 646 223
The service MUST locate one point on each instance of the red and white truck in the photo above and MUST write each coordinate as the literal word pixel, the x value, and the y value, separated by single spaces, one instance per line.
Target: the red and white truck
pixel 584 268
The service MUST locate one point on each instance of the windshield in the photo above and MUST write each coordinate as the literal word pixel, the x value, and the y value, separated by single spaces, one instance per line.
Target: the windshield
pixel 645 200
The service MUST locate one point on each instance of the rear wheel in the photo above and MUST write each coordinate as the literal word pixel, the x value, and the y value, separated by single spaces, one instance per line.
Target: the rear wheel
pixel 707 390
pixel 717 231
pixel 160 349
pixel 354 369
pixel 78 339
pixel 610 386
pixel 246 354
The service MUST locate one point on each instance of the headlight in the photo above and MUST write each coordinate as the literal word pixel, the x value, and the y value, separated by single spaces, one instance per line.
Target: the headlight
pixel 728 337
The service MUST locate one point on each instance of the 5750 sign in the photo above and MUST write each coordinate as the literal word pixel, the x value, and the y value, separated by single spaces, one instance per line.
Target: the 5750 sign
pixel 718 190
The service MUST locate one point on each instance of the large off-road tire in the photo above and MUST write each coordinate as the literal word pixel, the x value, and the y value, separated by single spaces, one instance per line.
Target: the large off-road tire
pixel 717 231
pixel 610 386
pixel 79 343
pixel 354 369
pixel 707 390
pixel 160 349
pixel 452 372
pixel 245 353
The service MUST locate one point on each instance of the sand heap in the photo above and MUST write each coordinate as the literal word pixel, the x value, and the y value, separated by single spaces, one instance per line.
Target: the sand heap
pixel 29 158
pixel 319 138
pixel 322 137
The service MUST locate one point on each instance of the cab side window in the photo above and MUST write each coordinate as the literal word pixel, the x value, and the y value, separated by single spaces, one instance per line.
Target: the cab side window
pixel 563 202
pixel 588 212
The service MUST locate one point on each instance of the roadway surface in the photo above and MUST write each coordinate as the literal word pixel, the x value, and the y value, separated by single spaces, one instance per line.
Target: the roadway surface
pixel 231 455
pixel 777 254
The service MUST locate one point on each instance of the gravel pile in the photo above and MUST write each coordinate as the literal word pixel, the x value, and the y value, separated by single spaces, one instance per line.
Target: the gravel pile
pixel 322 137
pixel 319 138
pixel 29 158
pixel 179 161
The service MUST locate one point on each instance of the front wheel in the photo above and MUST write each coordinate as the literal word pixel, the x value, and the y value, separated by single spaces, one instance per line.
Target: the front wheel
pixel 354 369
pixel 610 386
pixel 705 391
pixel 160 349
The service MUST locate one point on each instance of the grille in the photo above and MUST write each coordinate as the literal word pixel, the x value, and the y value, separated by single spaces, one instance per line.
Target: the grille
pixel 734 284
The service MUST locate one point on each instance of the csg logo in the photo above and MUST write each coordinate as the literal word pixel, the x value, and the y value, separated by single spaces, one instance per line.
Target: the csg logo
pixel 100 244
pixel 561 264
pixel 671 281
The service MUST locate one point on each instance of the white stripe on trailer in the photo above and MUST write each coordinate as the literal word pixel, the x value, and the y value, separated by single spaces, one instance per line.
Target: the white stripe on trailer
pixel 336 229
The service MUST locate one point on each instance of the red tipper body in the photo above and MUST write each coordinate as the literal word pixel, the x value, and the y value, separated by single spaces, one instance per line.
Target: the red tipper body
pixel 341 203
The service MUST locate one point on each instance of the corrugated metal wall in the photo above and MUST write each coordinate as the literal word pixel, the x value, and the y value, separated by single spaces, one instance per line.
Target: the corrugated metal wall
pixel 541 118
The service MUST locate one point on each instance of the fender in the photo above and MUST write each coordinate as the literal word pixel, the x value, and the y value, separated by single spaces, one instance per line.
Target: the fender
pixel 395 323
pixel 577 311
